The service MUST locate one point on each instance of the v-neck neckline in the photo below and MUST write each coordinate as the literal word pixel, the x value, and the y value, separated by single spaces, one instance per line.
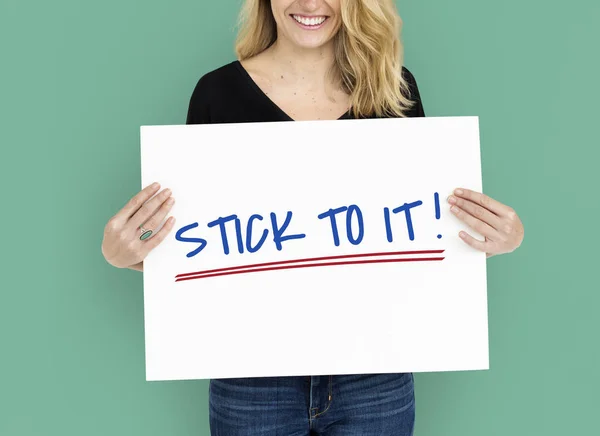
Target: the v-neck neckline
pixel 264 96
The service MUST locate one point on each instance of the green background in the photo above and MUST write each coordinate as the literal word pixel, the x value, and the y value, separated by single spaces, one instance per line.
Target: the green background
pixel 78 78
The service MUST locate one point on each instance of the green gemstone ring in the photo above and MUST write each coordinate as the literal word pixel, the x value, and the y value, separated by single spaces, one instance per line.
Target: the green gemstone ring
pixel 145 233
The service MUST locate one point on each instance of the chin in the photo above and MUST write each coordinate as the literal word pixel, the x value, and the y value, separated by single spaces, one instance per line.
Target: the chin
pixel 307 45
pixel 310 43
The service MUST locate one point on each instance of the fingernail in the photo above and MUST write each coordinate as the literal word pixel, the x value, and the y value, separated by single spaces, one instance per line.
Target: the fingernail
pixel 454 209
pixel 154 185
pixel 458 191
pixel 451 200
pixel 462 234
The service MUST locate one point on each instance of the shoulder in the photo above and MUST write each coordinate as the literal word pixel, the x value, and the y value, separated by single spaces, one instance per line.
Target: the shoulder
pixel 413 94
pixel 210 88
pixel 218 77
pixel 410 80
pixel 215 80
pixel 407 74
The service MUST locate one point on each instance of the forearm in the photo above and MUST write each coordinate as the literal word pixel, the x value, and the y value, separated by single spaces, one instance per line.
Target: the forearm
pixel 137 266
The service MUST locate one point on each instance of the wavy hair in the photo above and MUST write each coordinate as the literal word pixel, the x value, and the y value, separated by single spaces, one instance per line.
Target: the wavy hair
pixel 368 50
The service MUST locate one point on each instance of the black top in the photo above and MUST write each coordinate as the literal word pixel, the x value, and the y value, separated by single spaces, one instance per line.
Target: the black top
pixel 230 95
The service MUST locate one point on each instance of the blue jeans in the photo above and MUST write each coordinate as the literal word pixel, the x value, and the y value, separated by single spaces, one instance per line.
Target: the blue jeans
pixel 328 405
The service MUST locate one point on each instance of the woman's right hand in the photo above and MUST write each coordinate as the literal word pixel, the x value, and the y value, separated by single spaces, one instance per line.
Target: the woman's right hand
pixel 121 244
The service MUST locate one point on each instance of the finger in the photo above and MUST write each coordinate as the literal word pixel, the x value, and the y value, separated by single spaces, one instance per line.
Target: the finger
pixel 487 202
pixel 484 246
pixel 477 211
pixel 137 201
pixel 476 224
pixel 148 209
pixel 154 221
pixel 157 238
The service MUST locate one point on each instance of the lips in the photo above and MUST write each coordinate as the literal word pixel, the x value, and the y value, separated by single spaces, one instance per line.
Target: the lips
pixel 311 22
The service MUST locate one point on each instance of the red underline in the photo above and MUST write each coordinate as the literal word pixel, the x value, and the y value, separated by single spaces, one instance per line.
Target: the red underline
pixel 286 264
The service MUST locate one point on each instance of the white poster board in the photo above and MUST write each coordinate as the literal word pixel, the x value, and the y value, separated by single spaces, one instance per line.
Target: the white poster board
pixel 394 289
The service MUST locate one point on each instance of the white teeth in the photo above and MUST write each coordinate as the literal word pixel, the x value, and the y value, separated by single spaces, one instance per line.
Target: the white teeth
pixel 309 21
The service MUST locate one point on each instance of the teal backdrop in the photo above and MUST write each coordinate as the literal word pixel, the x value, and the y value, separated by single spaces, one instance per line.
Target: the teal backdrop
pixel 78 78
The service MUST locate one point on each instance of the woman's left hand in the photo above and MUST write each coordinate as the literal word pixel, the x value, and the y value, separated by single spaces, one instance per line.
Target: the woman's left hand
pixel 498 223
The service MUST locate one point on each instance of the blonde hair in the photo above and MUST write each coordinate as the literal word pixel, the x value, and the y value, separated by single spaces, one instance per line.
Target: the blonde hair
pixel 368 52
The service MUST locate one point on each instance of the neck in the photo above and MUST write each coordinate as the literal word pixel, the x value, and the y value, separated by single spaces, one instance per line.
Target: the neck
pixel 309 66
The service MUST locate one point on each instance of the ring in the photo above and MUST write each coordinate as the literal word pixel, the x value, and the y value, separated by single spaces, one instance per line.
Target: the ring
pixel 145 233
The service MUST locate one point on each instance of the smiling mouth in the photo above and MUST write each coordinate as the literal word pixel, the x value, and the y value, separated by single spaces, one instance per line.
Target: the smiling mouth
pixel 310 22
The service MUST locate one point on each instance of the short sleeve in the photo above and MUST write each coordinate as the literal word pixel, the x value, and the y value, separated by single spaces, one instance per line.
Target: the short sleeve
pixel 199 107
pixel 417 109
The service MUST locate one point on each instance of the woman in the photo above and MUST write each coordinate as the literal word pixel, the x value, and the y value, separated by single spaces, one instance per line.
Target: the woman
pixel 307 60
